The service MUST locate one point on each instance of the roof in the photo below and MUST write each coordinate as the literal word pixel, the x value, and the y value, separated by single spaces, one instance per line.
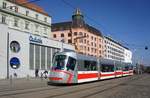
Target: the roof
pixel 109 38
pixel 61 26
pixel 67 25
pixel 31 6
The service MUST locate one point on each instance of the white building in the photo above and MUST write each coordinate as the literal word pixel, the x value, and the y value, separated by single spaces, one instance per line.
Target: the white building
pixel 22 53
pixel 29 18
pixel 128 56
pixel 25 40
pixel 116 51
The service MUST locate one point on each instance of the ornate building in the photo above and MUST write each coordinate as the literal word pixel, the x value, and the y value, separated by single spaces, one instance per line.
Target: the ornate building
pixel 26 17
pixel 87 39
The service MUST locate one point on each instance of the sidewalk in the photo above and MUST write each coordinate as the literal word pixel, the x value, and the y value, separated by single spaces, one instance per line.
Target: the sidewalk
pixel 22 83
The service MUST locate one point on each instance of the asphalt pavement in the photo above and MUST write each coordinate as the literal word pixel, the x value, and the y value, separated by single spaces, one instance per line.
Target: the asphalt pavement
pixel 136 86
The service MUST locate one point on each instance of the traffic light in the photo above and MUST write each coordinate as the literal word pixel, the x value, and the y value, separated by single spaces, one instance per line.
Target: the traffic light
pixel 146 48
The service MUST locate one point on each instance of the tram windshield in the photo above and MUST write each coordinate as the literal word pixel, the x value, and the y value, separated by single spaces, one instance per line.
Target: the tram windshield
pixel 59 62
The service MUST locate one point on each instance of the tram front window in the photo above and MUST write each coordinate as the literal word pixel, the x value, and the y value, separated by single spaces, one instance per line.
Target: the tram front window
pixel 59 62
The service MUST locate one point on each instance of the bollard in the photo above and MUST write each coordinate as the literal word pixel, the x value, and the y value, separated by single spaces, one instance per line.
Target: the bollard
pixel 28 77
pixel 11 80
pixel 41 76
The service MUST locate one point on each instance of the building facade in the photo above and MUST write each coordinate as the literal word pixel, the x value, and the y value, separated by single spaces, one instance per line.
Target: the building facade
pixel 116 51
pixel 25 39
pixel 22 53
pixel 87 39
pixel 127 56
pixel 26 17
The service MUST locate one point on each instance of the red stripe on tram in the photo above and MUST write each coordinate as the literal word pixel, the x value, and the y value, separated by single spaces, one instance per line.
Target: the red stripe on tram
pixel 55 78
pixel 66 72
pixel 125 72
pixel 105 75
pixel 87 75
pixel 118 73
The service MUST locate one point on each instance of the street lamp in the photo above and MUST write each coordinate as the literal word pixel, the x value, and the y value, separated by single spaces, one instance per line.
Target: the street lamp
pixel 75 41
pixel 62 48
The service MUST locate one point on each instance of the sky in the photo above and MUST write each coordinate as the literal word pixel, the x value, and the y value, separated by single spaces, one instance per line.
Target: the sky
pixel 127 21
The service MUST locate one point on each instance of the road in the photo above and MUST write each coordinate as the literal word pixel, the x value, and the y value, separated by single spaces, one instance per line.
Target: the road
pixel 137 86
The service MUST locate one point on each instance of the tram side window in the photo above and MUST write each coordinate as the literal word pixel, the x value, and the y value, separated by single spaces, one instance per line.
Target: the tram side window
pixel 71 63
pixel 118 67
pixel 126 68
pixel 81 65
pixel 131 68
pixel 107 68
pixel 90 65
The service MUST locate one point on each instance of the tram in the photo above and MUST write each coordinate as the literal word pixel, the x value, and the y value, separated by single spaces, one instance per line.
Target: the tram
pixel 71 67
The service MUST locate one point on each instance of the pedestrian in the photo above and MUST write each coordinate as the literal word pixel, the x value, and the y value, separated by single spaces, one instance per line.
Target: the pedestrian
pixel 36 73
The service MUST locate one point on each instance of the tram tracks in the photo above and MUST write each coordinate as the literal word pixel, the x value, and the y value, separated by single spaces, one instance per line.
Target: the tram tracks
pixel 39 89
pixel 25 91
pixel 93 87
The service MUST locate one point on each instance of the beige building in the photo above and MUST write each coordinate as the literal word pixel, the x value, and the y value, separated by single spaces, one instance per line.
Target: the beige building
pixel 87 39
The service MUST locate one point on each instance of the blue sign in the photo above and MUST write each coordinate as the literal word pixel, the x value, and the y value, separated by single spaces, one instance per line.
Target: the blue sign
pixel 14 62
pixel 35 39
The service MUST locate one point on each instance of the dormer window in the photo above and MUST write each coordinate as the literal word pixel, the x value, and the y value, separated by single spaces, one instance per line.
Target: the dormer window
pixel 36 16
pixel 3 19
pixel 4 5
pixel 26 25
pixel 16 22
pixel 45 19
pixel 27 13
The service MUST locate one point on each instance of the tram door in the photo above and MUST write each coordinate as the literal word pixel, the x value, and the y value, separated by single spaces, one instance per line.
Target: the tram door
pixel 72 68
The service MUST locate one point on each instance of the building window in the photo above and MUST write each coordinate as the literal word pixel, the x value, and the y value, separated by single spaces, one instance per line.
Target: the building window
pixel 69 41
pixel 16 22
pixel 54 36
pixel 62 35
pixel 69 34
pixel 45 30
pixel 100 40
pixel 43 58
pixel 27 13
pixel 45 19
pixel 88 42
pixel 36 27
pixel 85 41
pixel 27 25
pixel 88 49
pixel 100 51
pixel 16 9
pixel 95 44
pixel 92 43
pixel 32 56
pixel 36 16
pixel 81 40
pixel 85 48
pixel 4 5
pixel 3 19
pixel 80 33
pixel 75 33
pixel 87 36
pixel 92 37
pixel 100 46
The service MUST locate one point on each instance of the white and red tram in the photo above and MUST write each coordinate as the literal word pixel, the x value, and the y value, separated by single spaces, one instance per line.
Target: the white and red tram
pixel 70 67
